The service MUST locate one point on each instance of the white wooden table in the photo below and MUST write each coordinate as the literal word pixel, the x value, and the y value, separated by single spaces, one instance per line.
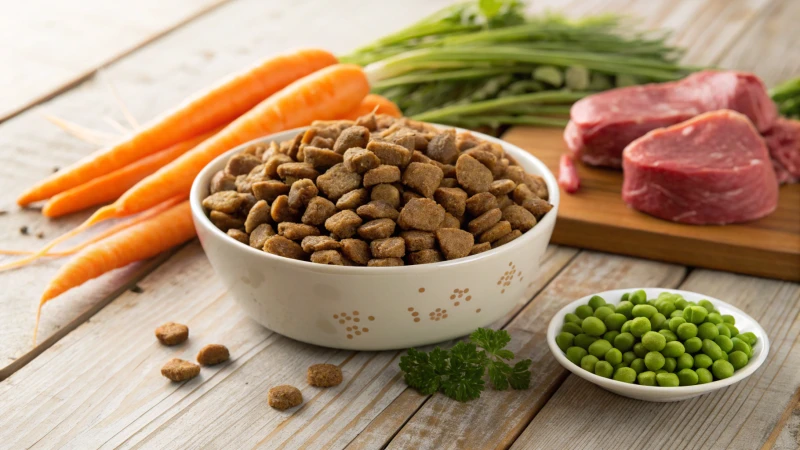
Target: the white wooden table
pixel 93 380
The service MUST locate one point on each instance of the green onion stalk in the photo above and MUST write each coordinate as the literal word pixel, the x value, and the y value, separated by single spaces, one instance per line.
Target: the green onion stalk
pixel 787 97
pixel 484 63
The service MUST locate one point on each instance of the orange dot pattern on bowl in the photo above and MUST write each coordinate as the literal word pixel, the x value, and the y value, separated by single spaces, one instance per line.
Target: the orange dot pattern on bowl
pixel 508 276
pixel 438 314
pixel 460 295
pixel 350 324
pixel 414 314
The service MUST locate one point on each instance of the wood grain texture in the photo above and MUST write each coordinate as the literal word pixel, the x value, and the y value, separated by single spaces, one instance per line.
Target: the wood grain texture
pixel 496 418
pixel 151 80
pixel 596 217
pixel 50 45
pixel 583 416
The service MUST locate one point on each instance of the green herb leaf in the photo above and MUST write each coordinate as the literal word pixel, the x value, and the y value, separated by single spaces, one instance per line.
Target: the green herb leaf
pixel 520 377
pixel 492 341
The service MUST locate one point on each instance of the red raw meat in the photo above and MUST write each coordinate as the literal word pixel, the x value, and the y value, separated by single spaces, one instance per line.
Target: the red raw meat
pixel 602 125
pixel 568 175
pixel 783 141
pixel 713 169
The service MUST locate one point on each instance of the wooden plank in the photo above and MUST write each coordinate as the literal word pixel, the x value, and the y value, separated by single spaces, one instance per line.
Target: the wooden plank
pixel 55 401
pixel 496 418
pixel 596 218
pixel 151 80
pixel 51 45
pixel 581 415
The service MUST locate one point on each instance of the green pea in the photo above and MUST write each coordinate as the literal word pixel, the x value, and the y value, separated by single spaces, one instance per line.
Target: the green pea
pixel 695 314
pixel 638 297
pixel 588 362
pixel 603 312
pixel 638 365
pixel 748 337
pixel 613 356
pixel 564 340
pixel 652 302
pixel 712 349
pixel 738 359
pixel 704 376
pixel 724 343
pixel 675 322
pixel 670 364
pixel 667 380
pixel 653 341
pixel 686 331
pixel 734 330
pixel 610 335
pixel 625 308
pixel 681 303
pixel 620 365
pixel 644 311
pixel 626 327
pixel 668 335
pixel 742 346
pixel 688 304
pixel 668 296
pixel 676 313
pixel 596 301
pixel 727 318
pixel 647 378
pixel 593 326
pixel 625 374
pixel 615 321
pixel 714 318
pixel 658 322
pixel 599 348
pixel 575 354
pixel 693 345
pixel 661 371
pixel 639 350
pixel 673 349
pixel 583 340
pixel 687 377
pixel 640 326
pixel 572 328
pixel 584 311
pixel 707 331
pixel 572 317
pixel 706 304
pixel 625 297
pixel 685 361
pixel 628 357
pixel 723 329
pixel 624 341
pixel 654 360
pixel 722 369
pixel 603 369
pixel 702 361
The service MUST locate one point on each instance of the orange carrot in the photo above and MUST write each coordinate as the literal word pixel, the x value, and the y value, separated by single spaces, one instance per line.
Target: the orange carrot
pixel 222 103
pixel 141 241
pixel 374 103
pixel 109 187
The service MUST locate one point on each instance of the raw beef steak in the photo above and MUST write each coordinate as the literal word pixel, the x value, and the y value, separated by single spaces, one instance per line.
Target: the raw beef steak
pixel 783 142
pixel 713 169
pixel 602 125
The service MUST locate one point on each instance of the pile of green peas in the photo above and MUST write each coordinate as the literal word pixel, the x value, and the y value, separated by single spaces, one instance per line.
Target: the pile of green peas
pixel 667 341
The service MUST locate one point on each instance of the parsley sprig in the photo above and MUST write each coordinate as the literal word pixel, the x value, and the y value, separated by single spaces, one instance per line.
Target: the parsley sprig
pixel 459 372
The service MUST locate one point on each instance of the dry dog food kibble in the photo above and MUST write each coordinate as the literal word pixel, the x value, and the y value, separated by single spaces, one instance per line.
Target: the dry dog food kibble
pixel 179 370
pixel 324 375
pixel 172 333
pixel 284 397
pixel 213 354
pixel 378 191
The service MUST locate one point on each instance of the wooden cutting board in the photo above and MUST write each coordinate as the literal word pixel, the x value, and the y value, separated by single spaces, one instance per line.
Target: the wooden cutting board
pixel 596 218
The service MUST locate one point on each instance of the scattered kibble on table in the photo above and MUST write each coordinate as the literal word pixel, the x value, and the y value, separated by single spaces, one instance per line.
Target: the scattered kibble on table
pixel 666 341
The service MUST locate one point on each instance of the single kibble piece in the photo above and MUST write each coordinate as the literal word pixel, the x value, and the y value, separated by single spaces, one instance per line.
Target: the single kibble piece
pixel 385 262
pixel 480 248
pixel 473 176
pixel 269 190
pixel 179 370
pixel 260 235
pixel 281 246
pixel 537 207
pixel 360 160
pixel 321 158
pixel 519 218
pixel 343 224
pixel 259 213
pixel 284 397
pixel 507 238
pixel 377 229
pixel 501 187
pixel 377 209
pixel 353 199
pixel 213 354
pixel 172 333
pixel 443 147
pixel 241 164
pixel 449 183
pixel 227 202
pixel 450 221
pixel 386 193
pixel 221 181
pixel 301 192
pixel 355 136
pixel 390 154
pixel 239 235
pixel 480 203
pixel 319 209
pixel 454 200
pixel 356 250
pixel 388 248
pixel 271 165
pixel 418 240
pixel 328 257
pixel 382 174
pixel 297 231
pixel 484 221
pixel 313 244
pixel 495 232
pixel 281 211
pixel 324 375
pixel 421 214
pixel 425 257
pixel 423 178
pixel 455 243
pixel 297 170
pixel 337 181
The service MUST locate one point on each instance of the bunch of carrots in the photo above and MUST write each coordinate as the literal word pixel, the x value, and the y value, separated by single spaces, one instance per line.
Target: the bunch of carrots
pixel 148 174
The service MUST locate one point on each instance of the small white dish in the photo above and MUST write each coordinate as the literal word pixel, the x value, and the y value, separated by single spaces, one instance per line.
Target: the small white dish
pixel 744 323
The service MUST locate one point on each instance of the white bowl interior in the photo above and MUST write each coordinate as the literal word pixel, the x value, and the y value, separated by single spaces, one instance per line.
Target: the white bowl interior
pixel 744 323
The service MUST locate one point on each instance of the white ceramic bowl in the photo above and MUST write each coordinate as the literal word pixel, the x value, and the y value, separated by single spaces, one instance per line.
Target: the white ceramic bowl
pixel 376 308
pixel 744 323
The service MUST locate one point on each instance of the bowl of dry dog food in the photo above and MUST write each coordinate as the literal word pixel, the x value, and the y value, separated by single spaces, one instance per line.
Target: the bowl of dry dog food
pixel 374 234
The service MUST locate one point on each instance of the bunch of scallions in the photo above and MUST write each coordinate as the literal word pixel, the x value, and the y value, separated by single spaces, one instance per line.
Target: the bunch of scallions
pixel 485 64
pixel 787 96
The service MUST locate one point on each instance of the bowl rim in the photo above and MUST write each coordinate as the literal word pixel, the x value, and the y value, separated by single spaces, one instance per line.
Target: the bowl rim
pixel 656 391
pixel 547 223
